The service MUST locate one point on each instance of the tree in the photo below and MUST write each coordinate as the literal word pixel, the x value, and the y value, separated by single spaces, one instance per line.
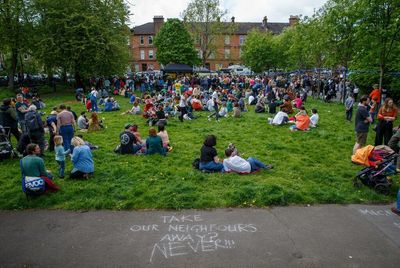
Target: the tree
pixel 174 44
pixel 259 51
pixel 83 37
pixel 203 19
pixel 14 34
pixel 378 33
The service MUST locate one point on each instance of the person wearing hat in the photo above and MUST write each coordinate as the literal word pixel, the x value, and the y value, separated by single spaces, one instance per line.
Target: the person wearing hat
pixel 128 141
pixel 51 123
pixel 376 93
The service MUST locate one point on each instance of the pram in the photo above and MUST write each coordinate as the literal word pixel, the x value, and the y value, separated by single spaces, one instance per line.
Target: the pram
pixel 376 176
pixel 6 149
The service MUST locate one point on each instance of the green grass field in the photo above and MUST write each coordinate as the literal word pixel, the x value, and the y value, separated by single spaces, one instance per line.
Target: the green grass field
pixel 309 167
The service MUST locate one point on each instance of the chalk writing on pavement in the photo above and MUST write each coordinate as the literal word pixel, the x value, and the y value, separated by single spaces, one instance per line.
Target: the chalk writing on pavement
pixel 191 234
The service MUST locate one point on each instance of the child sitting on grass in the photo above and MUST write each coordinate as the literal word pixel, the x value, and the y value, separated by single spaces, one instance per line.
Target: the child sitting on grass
pixel 60 154
pixel 162 133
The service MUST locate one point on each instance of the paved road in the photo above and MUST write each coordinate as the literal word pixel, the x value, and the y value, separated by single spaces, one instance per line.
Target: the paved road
pixel 315 236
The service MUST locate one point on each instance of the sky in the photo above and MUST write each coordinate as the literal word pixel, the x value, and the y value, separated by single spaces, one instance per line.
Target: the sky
pixel 143 11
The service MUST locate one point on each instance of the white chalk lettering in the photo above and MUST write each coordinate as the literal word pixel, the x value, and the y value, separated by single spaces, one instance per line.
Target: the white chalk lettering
pixel 185 234
pixel 183 218
pixel 144 228
pixel 162 250
pixel 372 212
pixel 174 246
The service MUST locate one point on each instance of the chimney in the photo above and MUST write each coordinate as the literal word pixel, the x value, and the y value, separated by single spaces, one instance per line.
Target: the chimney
pixel 293 20
pixel 158 21
pixel 233 19
pixel 264 22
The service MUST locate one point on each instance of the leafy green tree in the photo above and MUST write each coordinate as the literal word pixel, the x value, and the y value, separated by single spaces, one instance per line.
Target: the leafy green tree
pixel 378 35
pixel 14 34
pixel 259 51
pixel 83 37
pixel 174 44
pixel 203 18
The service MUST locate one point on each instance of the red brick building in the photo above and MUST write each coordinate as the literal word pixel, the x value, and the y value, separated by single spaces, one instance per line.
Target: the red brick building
pixel 143 51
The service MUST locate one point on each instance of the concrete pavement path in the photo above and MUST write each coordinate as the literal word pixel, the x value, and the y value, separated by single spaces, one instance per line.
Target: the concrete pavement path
pixel 314 236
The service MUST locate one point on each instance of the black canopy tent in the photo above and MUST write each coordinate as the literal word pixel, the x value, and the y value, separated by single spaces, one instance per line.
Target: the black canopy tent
pixel 177 68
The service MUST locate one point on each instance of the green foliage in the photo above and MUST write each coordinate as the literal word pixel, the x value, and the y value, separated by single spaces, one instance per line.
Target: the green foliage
pixel 82 37
pixel 175 45
pixel 309 167
pixel 259 51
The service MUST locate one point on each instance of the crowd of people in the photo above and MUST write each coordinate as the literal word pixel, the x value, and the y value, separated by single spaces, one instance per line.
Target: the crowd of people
pixel 157 100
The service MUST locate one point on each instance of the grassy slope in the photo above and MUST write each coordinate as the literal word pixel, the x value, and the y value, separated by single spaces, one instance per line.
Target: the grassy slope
pixel 311 167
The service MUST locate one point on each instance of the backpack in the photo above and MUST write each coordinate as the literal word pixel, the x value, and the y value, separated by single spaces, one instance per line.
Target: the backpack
pixel 31 121
pixel 196 163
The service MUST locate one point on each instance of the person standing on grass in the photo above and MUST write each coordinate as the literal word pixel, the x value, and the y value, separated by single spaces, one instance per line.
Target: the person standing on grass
pixel 21 108
pixel 362 122
pixel 386 115
pixel 93 99
pixel 65 126
pixel 349 103
pixel 8 118
pixel 60 154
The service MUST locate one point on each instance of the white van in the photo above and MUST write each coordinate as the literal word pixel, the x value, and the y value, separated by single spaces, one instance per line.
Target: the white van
pixel 240 70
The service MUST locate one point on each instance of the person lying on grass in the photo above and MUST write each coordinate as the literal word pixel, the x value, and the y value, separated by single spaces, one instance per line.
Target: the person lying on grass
pixel 237 164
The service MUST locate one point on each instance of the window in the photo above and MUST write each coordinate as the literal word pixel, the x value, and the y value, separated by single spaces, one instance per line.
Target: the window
pixel 150 40
pixel 151 54
pixel 142 56
pixel 136 67
pixel 142 40
pixel 227 39
pixel 242 39
pixel 227 53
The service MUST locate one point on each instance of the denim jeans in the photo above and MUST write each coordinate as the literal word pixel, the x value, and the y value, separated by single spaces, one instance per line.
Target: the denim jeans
pixel 94 104
pixel 255 164
pixel 61 168
pixel 212 166
pixel 67 132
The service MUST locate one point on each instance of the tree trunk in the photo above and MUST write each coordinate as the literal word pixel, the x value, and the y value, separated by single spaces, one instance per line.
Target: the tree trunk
pixel 79 81
pixel 11 73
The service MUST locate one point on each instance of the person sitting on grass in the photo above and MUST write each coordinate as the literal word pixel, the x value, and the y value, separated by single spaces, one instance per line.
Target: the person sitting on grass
pixel 129 144
pixel 135 109
pixel 280 118
pixel 314 118
pixel 154 144
pixel 36 179
pixel 235 163
pixel 164 137
pixel 302 120
pixel 82 160
pixel 94 123
pixel 209 161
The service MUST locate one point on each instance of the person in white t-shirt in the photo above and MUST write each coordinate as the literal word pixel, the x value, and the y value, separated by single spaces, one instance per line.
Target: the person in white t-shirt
pixel 314 118
pixel 237 164
pixel 280 118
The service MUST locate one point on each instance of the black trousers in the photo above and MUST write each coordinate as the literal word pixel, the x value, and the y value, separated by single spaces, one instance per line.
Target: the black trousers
pixel 384 131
